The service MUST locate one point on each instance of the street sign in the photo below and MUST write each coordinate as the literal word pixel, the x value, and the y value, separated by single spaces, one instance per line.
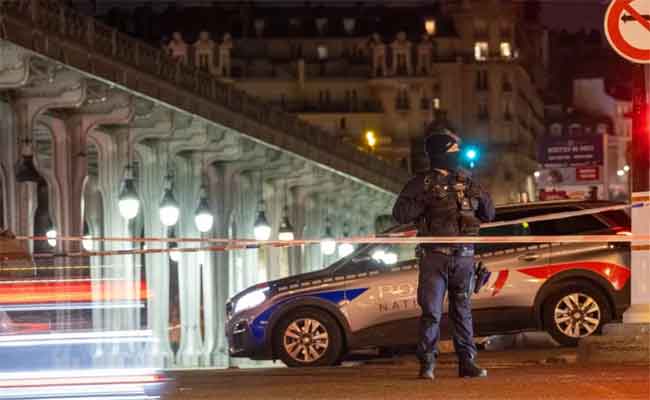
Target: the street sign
pixel 573 151
pixel 627 26
pixel 587 174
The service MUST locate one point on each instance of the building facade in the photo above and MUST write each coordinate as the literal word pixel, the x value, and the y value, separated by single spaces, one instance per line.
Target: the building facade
pixel 360 70
pixel 600 117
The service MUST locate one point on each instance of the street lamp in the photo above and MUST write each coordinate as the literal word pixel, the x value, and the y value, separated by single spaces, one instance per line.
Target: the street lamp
pixel 169 210
pixel 203 218
pixel 345 249
pixel 128 201
pixel 174 255
pixel 286 229
pixel 327 243
pixel 371 138
pixel 51 235
pixel 262 229
pixel 430 26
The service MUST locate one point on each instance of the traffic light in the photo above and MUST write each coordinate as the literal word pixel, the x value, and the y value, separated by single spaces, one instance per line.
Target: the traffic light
pixel 470 155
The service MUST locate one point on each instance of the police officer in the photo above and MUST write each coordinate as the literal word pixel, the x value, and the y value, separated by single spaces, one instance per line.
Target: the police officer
pixel 445 201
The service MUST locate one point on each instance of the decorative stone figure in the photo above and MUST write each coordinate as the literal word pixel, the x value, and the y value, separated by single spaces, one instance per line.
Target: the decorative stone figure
pixel 425 56
pixel 401 55
pixel 177 48
pixel 224 55
pixel 204 52
pixel 378 51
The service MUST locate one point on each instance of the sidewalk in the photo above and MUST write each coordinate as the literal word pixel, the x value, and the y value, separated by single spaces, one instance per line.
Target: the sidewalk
pixel 515 374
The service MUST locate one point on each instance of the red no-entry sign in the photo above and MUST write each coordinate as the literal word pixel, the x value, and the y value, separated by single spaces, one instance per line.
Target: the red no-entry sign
pixel 627 26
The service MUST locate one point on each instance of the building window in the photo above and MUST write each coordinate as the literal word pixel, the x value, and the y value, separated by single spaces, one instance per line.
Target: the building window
pixel 506 50
pixel 322 52
pixel 259 27
pixel 324 98
pixel 507 109
pixel 402 101
pixel 349 25
pixel 507 85
pixel 294 26
pixel 481 51
pixel 296 50
pixel 481 80
pixel 575 129
pixel 436 103
pixel 480 28
pixel 601 129
pixel 556 130
pixel 343 124
pixel 483 113
pixel 321 25
pixel 506 31
pixel 430 26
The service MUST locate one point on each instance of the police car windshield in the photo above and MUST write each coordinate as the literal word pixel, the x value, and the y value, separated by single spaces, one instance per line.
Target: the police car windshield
pixel 375 256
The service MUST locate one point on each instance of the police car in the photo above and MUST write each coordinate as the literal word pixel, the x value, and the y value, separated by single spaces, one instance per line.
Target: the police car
pixel 368 299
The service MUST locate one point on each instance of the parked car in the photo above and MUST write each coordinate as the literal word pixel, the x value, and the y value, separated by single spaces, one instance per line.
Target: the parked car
pixel 368 299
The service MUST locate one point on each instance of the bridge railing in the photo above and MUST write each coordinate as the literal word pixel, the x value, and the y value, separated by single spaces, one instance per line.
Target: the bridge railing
pixel 53 17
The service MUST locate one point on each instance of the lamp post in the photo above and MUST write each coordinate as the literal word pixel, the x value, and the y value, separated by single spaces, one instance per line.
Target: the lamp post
pixel 262 229
pixel 328 244
pixel 128 201
pixel 169 210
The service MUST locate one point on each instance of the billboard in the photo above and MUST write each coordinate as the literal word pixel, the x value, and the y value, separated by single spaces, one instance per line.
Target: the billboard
pixel 572 151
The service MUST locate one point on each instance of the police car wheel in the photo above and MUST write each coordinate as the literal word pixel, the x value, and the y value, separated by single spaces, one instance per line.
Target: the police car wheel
pixel 308 337
pixel 574 311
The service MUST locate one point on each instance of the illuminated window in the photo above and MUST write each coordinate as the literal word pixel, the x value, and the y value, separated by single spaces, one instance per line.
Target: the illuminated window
pixel 506 50
pixel 436 103
pixel 481 51
pixel 430 26
pixel 322 52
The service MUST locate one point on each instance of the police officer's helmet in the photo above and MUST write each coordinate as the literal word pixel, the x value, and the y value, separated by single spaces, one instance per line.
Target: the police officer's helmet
pixel 441 141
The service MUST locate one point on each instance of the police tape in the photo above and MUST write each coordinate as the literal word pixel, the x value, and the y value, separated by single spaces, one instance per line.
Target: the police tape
pixel 404 237
pixel 451 240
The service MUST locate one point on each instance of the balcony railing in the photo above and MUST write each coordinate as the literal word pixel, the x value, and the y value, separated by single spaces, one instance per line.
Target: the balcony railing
pixel 342 107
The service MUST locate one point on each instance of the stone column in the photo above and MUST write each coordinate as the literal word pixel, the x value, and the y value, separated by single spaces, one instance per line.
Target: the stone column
pixel 186 184
pixel 215 276
pixel 151 180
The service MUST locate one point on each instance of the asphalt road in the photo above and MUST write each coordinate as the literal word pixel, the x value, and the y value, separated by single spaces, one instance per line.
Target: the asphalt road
pixel 541 374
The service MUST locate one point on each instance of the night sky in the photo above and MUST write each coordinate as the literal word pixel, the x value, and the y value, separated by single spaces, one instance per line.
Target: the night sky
pixel 574 15
pixel 571 15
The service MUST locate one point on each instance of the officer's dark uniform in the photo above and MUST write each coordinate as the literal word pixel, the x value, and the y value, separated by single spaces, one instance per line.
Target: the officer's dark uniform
pixel 445 202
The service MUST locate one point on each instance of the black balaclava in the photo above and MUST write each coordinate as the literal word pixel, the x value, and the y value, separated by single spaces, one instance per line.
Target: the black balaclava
pixel 442 148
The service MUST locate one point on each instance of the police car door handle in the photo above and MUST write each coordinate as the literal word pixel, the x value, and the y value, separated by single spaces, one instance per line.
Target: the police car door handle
pixel 529 257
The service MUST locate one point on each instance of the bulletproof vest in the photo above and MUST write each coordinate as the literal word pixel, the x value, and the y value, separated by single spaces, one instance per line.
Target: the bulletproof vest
pixel 452 210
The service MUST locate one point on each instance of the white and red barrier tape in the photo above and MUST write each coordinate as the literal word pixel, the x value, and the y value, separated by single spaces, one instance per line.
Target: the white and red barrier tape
pixel 390 238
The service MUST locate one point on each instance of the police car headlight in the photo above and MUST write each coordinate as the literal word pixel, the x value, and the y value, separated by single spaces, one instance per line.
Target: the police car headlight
pixel 252 299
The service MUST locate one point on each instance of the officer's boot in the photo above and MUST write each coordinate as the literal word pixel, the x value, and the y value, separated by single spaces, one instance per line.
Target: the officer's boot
pixel 467 368
pixel 427 365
